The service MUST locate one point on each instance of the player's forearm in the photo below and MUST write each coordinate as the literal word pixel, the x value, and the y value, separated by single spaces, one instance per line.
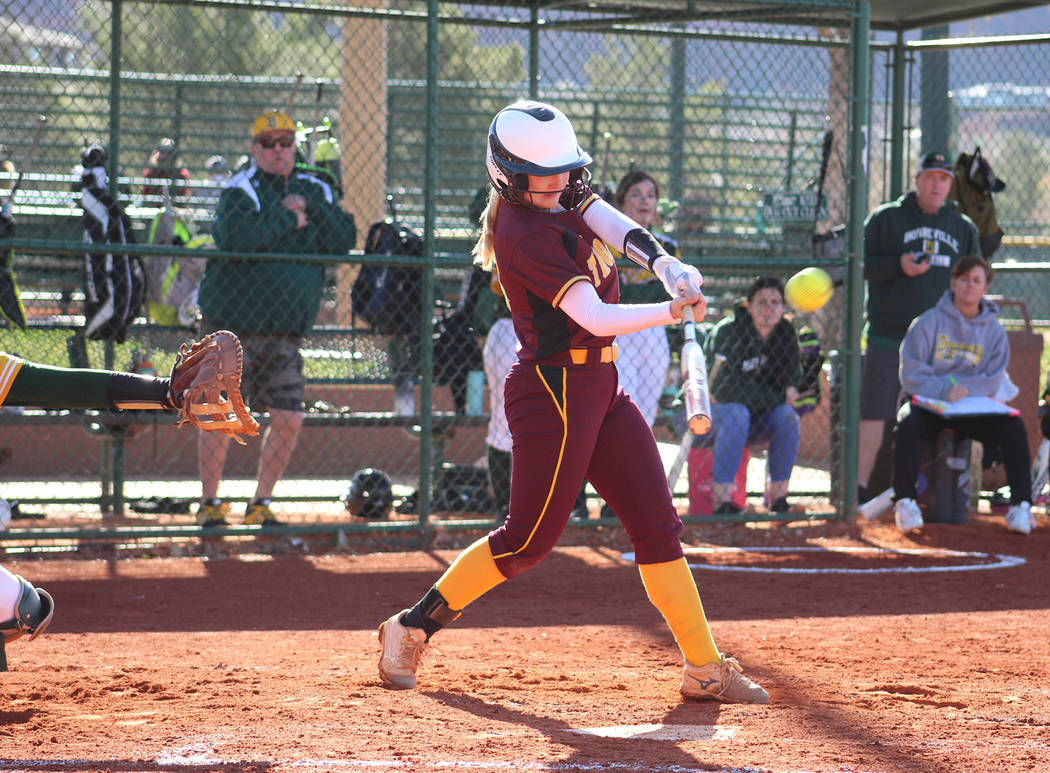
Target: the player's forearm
pixel 586 309
pixel 639 246
pixel 43 386
pixel 615 228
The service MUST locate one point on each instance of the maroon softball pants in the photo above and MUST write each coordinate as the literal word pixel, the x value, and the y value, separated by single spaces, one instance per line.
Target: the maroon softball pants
pixel 569 423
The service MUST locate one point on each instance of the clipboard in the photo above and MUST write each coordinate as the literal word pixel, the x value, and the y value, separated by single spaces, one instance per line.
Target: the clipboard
pixel 967 406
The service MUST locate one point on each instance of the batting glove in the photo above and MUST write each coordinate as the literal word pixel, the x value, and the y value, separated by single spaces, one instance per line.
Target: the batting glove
pixel 678 278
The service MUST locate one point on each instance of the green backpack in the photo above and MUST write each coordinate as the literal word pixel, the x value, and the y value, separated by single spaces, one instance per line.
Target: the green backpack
pixel 811 361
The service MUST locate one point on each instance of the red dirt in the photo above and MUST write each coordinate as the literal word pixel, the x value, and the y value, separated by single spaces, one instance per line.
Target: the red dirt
pixel 268 663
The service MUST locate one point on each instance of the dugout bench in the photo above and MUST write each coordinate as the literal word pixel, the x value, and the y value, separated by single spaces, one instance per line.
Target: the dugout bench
pixel 334 359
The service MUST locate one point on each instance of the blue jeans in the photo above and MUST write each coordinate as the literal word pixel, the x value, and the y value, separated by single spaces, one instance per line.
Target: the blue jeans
pixel 734 428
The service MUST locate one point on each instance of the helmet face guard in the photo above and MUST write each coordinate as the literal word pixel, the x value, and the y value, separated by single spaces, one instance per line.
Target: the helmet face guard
pixel 532 138
pixel 371 494
pixel 94 155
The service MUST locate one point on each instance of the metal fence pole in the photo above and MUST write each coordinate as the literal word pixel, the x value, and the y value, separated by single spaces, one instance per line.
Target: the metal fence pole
pixel 936 119
pixel 896 170
pixel 858 195
pixel 113 445
pixel 789 174
pixel 116 36
pixel 426 438
pixel 676 124
pixel 534 53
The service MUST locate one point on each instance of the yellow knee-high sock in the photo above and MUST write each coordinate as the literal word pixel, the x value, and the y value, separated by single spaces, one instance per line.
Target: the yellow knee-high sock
pixel 472 575
pixel 672 590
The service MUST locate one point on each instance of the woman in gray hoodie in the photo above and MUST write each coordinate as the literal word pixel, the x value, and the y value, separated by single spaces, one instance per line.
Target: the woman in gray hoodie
pixel 955 350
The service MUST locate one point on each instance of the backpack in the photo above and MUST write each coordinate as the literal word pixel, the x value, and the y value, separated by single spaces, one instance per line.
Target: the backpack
pixel 456 353
pixel 114 281
pixel 10 299
pixel 972 190
pixel 811 361
pixel 172 282
pixel 390 298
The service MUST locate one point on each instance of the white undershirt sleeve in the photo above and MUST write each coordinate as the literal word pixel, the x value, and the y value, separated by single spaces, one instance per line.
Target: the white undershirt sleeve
pixel 588 311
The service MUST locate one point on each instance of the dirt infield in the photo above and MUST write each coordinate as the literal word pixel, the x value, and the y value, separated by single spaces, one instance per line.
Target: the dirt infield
pixel 268 663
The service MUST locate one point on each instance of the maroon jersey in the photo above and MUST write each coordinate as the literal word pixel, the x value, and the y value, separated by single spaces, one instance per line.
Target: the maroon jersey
pixel 539 256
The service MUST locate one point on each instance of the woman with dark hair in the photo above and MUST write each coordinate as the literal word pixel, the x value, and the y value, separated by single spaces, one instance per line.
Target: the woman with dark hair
pixel 959 349
pixel 754 357
pixel 645 355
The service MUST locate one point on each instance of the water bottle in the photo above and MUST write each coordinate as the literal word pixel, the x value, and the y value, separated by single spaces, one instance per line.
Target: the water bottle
pixel 875 507
pixel 475 392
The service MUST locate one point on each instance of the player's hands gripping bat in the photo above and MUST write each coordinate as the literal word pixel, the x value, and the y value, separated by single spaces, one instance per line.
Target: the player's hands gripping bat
pixel 37 133
pixel 636 243
pixel 694 378
pixel 206 386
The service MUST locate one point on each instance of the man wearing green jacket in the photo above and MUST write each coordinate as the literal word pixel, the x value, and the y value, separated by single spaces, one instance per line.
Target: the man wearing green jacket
pixel 269 207
pixel 910 246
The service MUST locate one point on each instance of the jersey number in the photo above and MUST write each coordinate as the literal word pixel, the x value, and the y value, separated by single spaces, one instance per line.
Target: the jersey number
pixel 600 261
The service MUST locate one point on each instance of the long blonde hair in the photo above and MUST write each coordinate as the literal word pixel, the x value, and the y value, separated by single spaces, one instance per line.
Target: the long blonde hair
pixel 484 251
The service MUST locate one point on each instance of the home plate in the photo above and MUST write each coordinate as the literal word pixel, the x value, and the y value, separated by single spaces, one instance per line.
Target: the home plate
pixel 663 732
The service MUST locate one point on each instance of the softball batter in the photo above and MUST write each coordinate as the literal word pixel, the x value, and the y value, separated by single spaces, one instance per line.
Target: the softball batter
pixel 568 416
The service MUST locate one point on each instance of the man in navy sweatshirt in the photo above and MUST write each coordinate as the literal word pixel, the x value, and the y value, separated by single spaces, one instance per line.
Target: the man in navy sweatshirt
pixel 910 246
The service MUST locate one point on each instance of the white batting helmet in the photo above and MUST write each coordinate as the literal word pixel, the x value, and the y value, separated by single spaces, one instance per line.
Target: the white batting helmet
pixel 531 138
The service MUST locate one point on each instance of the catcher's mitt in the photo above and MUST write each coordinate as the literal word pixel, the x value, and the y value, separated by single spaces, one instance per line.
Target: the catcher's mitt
pixel 206 386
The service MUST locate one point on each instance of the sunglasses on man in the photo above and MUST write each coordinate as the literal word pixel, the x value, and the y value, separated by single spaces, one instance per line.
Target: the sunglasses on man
pixel 285 141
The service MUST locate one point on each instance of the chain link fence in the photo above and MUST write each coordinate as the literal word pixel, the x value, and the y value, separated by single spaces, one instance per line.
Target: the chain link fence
pixel 741 120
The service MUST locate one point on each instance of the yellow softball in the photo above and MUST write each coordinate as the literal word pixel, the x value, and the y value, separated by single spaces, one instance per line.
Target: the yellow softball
pixel 809 289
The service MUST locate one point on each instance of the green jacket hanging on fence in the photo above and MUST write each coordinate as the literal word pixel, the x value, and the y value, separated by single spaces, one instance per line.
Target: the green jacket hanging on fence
pixel 897 228
pixel 266 297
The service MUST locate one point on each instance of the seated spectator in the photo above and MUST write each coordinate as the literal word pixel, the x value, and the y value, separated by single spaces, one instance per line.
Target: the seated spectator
pixel 954 350
pixel 754 361
pixel 162 167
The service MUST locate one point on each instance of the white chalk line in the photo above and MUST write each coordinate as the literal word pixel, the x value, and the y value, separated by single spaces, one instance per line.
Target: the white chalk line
pixel 990 560
pixel 516 765
pixel 209 764
pixel 661 732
